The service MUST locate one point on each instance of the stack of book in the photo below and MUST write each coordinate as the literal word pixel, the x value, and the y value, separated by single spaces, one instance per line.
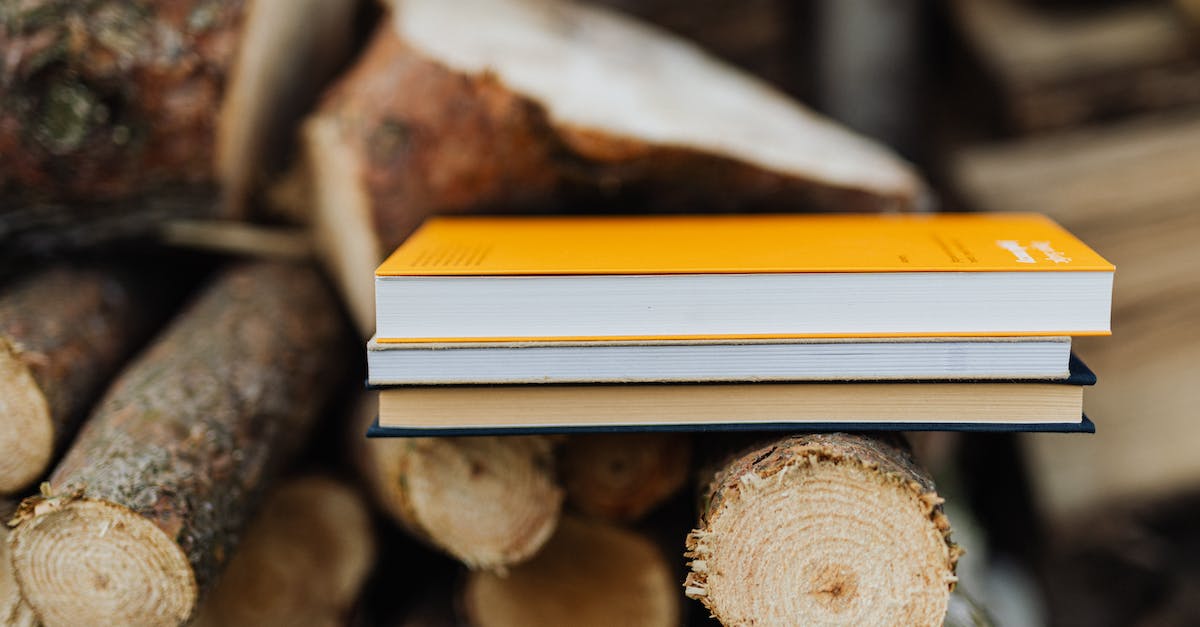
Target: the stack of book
pixel 815 322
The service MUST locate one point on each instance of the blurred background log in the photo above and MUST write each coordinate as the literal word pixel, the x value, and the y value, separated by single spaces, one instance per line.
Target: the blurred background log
pixel 1130 191
pixel 63 332
pixel 823 528
pixel 588 574
pixel 622 476
pixel 301 562
pixel 1058 67
pixel 154 492
pixel 489 502
pixel 120 116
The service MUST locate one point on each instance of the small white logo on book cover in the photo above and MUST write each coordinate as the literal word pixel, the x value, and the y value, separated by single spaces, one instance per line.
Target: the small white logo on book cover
pixel 1052 255
pixel 1016 249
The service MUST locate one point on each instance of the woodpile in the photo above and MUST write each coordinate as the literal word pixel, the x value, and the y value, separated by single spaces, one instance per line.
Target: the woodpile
pixel 192 460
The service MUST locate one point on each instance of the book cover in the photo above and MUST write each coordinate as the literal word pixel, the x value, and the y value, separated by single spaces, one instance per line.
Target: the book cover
pixel 731 244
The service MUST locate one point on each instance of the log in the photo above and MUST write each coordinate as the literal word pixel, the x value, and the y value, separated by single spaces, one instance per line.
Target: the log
pixel 488 502
pixel 63 331
pixel 302 561
pixel 124 115
pixel 155 490
pixel 622 476
pixel 1057 68
pixel 1128 190
pixel 14 612
pixel 822 529
pixel 534 106
pixel 589 573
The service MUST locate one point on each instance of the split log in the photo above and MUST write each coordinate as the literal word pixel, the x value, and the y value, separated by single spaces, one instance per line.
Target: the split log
pixel 155 490
pixel 489 502
pixel 62 333
pixel 119 116
pixel 589 573
pixel 534 105
pixel 1060 67
pixel 622 476
pixel 302 561
pixel 822 529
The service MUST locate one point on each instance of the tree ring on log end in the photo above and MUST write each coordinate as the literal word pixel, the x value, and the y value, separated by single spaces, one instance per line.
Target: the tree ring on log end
pixel 27 439
pixel 90 562
pixel 822 540
pixel 487 501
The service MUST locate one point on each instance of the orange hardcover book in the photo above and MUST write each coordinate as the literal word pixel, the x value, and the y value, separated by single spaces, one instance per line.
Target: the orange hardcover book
pixel 746 276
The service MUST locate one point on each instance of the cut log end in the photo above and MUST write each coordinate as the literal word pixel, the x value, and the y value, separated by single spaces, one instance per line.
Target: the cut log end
pixel 590 573
pixel 90 562
pixel 489 502
pixel 623 476
pixel 27 438
pixel 822 530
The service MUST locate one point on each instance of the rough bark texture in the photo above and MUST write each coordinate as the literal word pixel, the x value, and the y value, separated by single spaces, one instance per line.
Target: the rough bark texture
pixel 154 492
pixel 588 574
pixel 1059 68
pixel 116 116
pixel 302 561
pixel 62 334
pixel 404 135
pixel 821 529
pixel 623 476
pixel 489 502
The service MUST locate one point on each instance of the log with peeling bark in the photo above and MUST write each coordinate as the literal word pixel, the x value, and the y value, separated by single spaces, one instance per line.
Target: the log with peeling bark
pixel 589 573
pixel 118 116
pixel 489 502
pixel 1059 67
pixel 63 332
pixel 822 529
pixel 302 561
pixel 147 505
pixel 622 476
pixel 534 105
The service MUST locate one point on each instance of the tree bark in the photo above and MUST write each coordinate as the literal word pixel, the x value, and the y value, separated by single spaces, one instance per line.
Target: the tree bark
pixel 443 115
pixel 62 332
pixel 589 574
pixel 302 561
pixel 133 112
pixel 822 529
pixel 153 494
pixel 489 502
pixel 622 476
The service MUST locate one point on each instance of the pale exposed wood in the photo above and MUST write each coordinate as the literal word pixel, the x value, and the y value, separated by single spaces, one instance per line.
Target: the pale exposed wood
pixel 822 529
pixel 239 238
pixel 63 332
pixel 622 476
pixel 558 106
pixel 1059 67
pixel 489 502
pixel 589 574
pixel 1130 191
pixel 145 508
pixel 14 612
pixel 302 562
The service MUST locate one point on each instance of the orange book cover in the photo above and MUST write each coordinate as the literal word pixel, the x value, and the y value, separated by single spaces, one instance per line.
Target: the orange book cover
pixel 734 244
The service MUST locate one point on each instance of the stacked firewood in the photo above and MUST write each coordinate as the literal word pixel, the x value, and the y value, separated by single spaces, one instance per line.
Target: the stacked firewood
pixel 188 445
